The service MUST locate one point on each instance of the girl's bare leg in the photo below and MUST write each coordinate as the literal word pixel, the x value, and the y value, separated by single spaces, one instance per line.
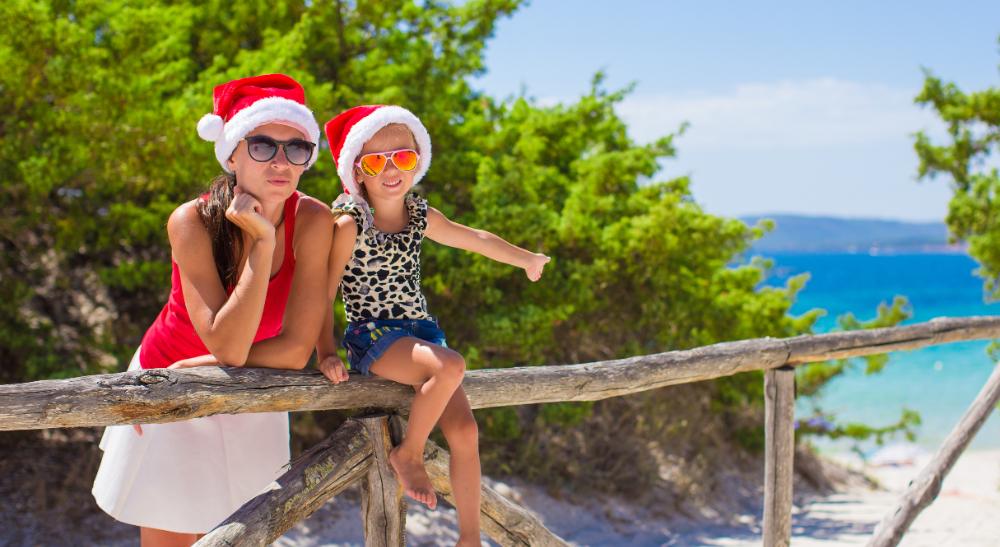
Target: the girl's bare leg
pixel 460 430
pixel 435 372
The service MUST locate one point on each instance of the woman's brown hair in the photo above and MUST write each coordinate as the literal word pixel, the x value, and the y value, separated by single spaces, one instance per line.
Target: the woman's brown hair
pixel 227 238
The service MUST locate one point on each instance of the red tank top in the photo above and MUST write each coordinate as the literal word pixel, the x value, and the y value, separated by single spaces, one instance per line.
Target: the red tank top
pixel 172 337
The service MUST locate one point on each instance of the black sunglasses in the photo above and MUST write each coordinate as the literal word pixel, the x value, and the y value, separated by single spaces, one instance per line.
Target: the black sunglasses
pixel 263 148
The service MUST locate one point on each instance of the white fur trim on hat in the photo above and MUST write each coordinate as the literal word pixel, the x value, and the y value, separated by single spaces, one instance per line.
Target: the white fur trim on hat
pixel 366 128
pixel 261 112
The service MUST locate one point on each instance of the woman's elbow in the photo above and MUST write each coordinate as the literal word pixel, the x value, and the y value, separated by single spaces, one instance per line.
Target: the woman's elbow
pixel 294 354
pixel 300 357
pixel 230 356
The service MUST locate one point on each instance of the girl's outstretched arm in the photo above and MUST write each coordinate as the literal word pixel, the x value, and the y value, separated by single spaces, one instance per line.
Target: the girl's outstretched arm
pixel 453 234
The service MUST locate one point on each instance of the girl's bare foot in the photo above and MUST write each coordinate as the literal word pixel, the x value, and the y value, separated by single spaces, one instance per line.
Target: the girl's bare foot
pixel 468 542
pixel 413 476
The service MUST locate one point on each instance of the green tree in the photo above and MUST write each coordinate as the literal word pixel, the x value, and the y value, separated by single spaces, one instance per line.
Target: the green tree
pixel 973 124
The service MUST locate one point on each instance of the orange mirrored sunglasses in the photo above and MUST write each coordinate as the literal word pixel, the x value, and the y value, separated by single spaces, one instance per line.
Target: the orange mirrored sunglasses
pixel 405 159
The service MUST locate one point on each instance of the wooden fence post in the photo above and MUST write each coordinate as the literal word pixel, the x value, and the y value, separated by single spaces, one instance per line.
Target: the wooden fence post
pixel 925 488
pixel 382 507
pixel 779 452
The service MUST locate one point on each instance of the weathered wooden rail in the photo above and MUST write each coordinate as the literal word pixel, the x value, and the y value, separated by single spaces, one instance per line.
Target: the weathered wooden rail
pixel 358 450
pixel 161 395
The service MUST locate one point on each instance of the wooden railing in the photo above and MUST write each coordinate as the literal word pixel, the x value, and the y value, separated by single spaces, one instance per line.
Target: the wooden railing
pixel 358 450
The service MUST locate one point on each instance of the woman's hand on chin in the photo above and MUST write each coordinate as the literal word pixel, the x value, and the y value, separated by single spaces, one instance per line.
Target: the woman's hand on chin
pixel 246 212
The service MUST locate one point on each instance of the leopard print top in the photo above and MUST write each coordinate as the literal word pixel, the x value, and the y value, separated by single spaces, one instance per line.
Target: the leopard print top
pixel 382 278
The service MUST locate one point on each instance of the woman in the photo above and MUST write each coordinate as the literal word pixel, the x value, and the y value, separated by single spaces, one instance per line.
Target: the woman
pixel 249 264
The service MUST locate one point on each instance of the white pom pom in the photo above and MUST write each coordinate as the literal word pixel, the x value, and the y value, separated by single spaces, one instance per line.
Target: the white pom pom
pixel 210 127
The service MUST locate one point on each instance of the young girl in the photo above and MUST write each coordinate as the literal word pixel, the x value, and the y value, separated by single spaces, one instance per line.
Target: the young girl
pixel 249 261
pixel 381 152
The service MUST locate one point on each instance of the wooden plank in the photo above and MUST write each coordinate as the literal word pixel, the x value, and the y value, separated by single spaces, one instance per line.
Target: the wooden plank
pixel 502 520
pixel 161 395
pixel 779 455
pixel 312 479
pixel 383 510
pixel 925 488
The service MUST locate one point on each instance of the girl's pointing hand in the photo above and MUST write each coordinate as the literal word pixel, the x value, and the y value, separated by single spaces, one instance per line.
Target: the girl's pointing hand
pixel 535 266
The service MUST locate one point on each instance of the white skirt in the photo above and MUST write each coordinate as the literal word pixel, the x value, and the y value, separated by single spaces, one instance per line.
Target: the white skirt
pixel 189 476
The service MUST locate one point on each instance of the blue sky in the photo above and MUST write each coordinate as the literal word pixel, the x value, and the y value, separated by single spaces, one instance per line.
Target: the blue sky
pixel 802 107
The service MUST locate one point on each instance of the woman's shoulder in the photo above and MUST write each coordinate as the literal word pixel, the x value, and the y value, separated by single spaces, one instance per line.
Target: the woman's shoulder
pixel 313 222
pixel 186 229
pixel 187 210
pixel 185 216
pixel 312 210
pixel 309 203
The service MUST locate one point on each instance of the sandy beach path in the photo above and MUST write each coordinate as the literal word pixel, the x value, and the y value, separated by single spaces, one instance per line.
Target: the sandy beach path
pixel 966 513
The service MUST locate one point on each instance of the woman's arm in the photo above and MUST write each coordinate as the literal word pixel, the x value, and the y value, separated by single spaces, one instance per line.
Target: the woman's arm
pixel 225 323
pixel 305 309
pixel 200 361
pixel 453 234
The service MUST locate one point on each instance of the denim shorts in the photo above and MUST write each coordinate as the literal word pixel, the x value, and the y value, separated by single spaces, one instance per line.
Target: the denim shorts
pixel 366 341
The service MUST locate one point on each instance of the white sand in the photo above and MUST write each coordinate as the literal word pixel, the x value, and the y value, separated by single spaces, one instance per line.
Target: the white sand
pixel 967 513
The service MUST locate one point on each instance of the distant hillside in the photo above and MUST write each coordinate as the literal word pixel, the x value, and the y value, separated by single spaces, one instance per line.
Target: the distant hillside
pixel 809 234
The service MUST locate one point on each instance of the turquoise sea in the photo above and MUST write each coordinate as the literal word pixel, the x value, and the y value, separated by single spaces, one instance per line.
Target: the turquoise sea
pixel 938 382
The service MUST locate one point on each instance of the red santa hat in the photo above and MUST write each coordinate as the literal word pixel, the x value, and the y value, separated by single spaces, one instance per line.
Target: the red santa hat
pixel 351 129
pixel 242 105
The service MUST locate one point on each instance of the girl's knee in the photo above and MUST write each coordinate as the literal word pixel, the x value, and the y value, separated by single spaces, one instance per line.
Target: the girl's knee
pixel 452 366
